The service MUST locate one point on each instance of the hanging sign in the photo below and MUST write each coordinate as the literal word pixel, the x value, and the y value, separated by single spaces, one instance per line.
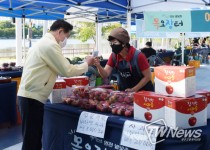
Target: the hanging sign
pixel 200 20
pixel 176 21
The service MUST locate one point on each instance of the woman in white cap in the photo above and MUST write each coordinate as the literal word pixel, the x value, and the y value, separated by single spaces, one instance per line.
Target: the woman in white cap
pixel 131 65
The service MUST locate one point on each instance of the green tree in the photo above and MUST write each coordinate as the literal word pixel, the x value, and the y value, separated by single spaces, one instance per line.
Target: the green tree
pixel 87 30
pixel 109 27
pixel 7 30
pixel 6 24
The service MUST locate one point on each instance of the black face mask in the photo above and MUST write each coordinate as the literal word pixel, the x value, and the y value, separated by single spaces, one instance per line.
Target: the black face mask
pixel 117 48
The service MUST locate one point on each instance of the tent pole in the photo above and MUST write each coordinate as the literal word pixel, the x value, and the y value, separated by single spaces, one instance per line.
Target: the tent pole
pixel 162 43
pixel 24 43
pixel 98 37
pixel 45 23
pixel 183 43
pixel 129 22
pixel 18 30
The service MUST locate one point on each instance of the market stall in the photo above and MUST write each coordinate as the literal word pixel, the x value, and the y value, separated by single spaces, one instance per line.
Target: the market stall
pixel 61 121
pixel 8 102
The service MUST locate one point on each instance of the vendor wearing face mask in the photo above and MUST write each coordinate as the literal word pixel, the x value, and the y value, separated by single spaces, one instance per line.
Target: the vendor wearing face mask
pixel 131 65
pixel 43 64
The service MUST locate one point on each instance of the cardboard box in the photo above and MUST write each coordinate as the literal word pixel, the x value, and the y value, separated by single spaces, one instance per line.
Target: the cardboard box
pixel 207 94
pixel 178 81
pixel 79 80
pixel 58 92
pixel 149 106
pixel 195 63
pixel 186 112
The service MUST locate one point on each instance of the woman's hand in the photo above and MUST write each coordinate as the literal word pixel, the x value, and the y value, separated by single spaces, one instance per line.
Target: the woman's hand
pixel 96 61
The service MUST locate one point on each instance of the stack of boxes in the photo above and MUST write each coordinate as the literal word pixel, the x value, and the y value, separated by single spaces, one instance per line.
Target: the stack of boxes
pixel 64 87
pixel 174 100
pixel 195 63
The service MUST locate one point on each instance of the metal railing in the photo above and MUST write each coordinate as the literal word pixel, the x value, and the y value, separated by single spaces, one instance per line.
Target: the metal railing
pixel 66 52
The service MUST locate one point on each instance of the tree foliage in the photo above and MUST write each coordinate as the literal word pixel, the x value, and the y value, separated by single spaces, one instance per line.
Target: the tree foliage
pixel 109 27
pixel 7 30
pixel 87 30
pixel 6 24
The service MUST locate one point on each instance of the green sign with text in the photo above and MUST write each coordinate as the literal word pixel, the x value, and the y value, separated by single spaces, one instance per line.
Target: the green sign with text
pixel 176 21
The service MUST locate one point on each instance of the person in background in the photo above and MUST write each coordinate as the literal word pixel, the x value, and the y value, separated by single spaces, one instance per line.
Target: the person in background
pixel 130 64
pixel 203 43
pixel 148 50
pixel 43 64
pixel 196 42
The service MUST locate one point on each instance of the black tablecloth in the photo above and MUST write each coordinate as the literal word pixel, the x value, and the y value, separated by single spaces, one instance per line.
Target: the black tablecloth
pixel 8 102
pixel 59 132
pixel 13 74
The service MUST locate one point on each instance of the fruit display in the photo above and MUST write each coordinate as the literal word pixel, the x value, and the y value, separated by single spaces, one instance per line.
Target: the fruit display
pixel 102 106
pixel 119 96
pixel 119 108
pixel 10 67
pixel 5 65
pixel 100 94
pixel 81 91
pixel 12 64
pixel 70 99
pixel 99 99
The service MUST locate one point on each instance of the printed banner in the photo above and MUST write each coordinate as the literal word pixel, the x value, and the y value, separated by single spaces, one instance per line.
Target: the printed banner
pixel 176 21
pixel 200 21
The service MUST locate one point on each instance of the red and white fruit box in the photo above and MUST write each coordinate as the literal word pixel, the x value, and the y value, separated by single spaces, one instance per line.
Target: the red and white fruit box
pixel 58 92
pixel 186 112
pixel 207 94
pixel 149 106
pixel 178 81
pixel 79 80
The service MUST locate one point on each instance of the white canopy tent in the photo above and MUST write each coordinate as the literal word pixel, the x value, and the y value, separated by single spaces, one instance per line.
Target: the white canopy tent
pixel 168 5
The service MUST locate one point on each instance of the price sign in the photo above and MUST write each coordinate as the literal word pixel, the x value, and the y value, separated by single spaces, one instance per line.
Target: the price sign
pixel 139 135
pixel 92 124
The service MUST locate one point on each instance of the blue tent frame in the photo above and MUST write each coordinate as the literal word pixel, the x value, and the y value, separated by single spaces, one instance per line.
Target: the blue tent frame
pixel 108 10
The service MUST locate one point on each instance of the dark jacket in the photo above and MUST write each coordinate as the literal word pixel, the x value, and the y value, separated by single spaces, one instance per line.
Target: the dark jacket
pixel 148 52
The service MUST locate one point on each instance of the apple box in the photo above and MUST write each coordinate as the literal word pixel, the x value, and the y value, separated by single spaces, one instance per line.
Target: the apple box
pixel 186 112
pixel 178 81
pixel 58 92
pixel 79 80
pixel 207 94
pixel 148 106
pixel 195 63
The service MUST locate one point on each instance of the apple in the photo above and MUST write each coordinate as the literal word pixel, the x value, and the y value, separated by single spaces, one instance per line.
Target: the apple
pixel 120 111
pixel 192 121
pixel 148 116
pixel 114 110
pixel 169 89
pixel 128 113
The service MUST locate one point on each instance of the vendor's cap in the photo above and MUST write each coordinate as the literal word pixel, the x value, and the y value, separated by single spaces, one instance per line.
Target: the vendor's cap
pixel 119 34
